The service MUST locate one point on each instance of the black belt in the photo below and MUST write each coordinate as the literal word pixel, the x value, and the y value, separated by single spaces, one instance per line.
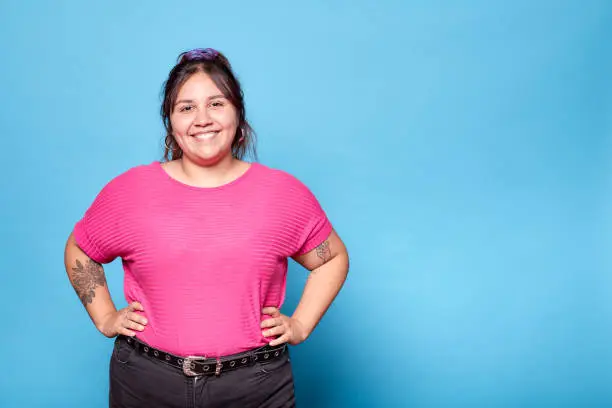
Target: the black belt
pixel 193 366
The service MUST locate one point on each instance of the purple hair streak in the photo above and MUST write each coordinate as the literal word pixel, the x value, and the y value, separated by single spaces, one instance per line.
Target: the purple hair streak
pixel 206 54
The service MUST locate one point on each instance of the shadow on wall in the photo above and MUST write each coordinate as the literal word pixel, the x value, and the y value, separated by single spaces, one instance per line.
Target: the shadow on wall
pixel 337 365
pixel 320 377
pixel 352 360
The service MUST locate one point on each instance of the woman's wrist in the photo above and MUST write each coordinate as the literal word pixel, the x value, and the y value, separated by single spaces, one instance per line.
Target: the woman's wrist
pixel 302 328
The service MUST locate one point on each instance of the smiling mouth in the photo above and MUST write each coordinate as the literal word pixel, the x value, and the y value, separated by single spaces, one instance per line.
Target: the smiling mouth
pixel 205 135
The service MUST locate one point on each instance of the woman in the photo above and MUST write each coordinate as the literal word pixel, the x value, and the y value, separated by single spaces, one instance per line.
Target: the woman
pixel 204 239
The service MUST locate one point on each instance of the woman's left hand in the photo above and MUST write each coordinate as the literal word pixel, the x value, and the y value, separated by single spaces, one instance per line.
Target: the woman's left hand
pixel 288 329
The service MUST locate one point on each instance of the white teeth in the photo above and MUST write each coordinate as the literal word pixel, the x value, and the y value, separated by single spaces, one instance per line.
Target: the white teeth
pixel 205 136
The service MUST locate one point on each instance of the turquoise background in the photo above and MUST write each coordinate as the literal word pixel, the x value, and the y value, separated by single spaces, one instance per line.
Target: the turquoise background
pixel 461 149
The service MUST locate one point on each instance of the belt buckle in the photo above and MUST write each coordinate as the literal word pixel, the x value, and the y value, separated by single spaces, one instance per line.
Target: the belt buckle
pixel 218 367
pixel 188 365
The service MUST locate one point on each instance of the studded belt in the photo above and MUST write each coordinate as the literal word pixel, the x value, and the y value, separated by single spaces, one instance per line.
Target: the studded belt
pixel 193 366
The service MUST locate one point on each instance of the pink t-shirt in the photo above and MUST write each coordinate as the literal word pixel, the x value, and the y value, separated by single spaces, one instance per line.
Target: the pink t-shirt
pixel 203 261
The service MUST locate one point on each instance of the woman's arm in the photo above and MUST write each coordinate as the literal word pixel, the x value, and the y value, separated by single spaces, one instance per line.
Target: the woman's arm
pixel 88 280
pixel 328 263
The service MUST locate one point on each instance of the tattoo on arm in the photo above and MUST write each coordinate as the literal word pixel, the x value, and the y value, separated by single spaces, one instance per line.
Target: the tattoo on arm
pixel 324 252
pixel 86 278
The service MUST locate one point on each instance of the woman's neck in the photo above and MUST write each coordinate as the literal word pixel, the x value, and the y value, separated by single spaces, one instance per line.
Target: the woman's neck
pixel 215 175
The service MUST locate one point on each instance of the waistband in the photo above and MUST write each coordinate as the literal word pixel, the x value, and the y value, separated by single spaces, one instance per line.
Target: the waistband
pixel 193 366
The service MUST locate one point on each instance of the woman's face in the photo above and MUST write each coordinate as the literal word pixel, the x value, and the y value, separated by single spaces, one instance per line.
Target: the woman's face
pixel 204 122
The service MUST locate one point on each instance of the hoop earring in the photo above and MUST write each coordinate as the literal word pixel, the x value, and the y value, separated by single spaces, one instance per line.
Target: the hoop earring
pixel 166 144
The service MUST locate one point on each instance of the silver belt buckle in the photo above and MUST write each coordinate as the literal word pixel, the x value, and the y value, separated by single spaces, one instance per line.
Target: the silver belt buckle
pixel 189 365
pixel 218 367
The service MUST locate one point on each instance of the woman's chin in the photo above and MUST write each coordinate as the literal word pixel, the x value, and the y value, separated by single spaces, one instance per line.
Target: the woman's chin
pixel 209 157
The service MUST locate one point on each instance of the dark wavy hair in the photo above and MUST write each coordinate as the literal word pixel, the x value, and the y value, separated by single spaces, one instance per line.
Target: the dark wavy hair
pixel 218 68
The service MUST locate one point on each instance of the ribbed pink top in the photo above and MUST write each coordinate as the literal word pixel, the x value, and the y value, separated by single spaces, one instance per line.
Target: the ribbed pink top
pixel 203 261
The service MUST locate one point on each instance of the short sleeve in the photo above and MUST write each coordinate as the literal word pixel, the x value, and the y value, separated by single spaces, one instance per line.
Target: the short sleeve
pixel 98 233
pixel 314 227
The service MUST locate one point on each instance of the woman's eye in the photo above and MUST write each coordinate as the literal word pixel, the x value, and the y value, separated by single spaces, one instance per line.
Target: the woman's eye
pixel 217 104
pixel 186 108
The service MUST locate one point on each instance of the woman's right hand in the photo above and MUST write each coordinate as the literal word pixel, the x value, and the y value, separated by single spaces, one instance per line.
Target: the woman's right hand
pixel 125 321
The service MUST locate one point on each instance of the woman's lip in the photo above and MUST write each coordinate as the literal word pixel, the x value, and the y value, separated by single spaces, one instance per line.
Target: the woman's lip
pixel 205 135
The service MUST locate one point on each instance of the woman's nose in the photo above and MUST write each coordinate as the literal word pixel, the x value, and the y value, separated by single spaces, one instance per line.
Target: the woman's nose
pixel 202 118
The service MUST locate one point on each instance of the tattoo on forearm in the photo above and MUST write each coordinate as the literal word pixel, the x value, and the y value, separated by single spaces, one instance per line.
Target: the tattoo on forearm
pixel 324 252
pixel 86 278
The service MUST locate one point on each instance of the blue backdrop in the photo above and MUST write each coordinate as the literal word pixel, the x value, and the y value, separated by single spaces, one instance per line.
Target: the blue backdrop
pixel 461 149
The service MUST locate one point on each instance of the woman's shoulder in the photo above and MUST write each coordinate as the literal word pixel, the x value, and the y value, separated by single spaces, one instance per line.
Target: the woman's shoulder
pixel 283 179
pixel 276 174
pixel 132 176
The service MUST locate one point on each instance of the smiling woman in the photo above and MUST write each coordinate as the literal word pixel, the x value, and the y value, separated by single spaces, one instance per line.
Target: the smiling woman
pixel 204 128
pixel 204 237
pixel 219 83
pixel 204 115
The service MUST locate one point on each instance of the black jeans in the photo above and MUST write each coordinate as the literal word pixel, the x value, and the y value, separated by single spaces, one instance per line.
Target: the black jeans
pixel 140 381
